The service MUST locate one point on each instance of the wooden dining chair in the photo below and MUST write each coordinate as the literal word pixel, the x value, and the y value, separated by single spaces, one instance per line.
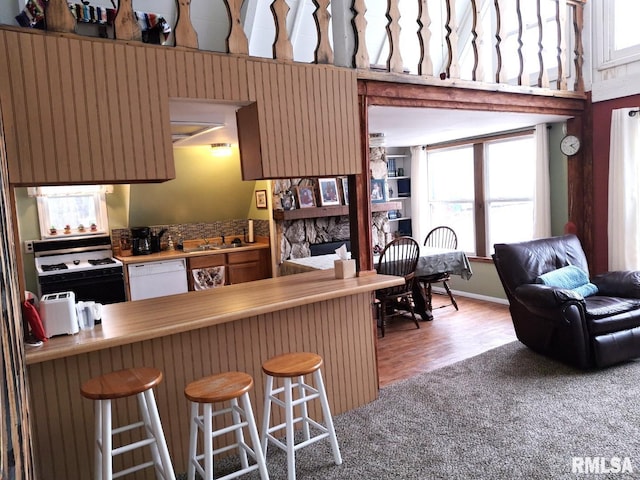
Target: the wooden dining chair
pixel 439 237
pixel 399 258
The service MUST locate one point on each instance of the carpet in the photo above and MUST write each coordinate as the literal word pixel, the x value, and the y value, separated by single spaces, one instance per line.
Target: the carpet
pixel 508 413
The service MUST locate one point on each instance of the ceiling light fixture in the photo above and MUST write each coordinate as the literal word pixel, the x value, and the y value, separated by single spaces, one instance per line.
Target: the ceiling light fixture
pixel 220 149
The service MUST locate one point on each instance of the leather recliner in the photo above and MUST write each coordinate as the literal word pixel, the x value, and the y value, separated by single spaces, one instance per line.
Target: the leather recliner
pixel 598 330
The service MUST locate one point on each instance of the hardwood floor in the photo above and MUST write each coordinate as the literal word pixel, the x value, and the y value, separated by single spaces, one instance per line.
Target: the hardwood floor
pixel 451 336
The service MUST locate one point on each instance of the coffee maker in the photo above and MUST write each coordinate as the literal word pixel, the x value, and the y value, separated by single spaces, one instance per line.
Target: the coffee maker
pixel 141 240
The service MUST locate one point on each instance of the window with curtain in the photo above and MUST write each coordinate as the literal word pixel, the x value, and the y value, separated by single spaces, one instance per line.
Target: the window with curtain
pixel 498 173
pixel 77 210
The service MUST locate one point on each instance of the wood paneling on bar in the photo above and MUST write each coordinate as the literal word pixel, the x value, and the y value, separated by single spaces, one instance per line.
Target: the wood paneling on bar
pixel 96 110
pixel 339 330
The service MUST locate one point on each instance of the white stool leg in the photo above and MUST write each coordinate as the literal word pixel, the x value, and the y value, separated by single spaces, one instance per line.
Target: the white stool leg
pixel 239 434
pixel 253 433
pixel 154 418
pixel 208 441
pixel 291 453
pixel 303 408
pixel 267 414
pixel 97 438
pixel 193 441
pixel 144 412
pixel 326 411
pixel 107 457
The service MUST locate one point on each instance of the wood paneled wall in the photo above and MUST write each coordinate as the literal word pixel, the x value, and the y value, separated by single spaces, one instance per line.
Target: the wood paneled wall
pixel 340 330
pixel 86 110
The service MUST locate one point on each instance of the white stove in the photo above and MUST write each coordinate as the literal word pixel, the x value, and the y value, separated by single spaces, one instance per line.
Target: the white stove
pixel 83 265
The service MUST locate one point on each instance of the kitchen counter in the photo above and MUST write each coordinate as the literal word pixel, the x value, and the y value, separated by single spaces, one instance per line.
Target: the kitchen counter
pixel 190 252
pixel 196 334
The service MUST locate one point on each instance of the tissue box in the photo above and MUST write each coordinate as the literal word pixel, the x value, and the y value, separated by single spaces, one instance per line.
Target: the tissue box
pixel 345 268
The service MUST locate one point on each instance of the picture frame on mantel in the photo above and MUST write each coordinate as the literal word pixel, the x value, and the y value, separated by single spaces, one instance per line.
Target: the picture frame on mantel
pixel 261 199
pixel 328 192
pixel 344 183
pixel 306 196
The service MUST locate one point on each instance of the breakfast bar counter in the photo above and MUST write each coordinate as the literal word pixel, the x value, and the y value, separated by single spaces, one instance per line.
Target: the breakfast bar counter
pixel 196 334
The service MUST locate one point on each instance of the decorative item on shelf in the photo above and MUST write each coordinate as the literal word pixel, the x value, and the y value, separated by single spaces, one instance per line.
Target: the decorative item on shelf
pixel 390 192
pixel 328 191
pixel 81 228
pixel 93 227
pixel 378 191
pixel 376 140
pixel 344 181
pixel 288 201
pixel 53 230
pixel 306 197
pixel 400 172
pixel 392 214
pixel 67 229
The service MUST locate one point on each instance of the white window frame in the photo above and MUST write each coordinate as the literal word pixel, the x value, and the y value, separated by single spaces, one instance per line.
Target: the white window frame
pixel 604 28
pixel 44 194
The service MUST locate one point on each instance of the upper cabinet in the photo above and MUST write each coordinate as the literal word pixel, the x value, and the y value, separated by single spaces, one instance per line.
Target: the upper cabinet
pixel 82 110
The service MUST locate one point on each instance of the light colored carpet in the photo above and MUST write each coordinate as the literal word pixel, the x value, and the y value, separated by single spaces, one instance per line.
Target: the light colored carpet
pixel 505 414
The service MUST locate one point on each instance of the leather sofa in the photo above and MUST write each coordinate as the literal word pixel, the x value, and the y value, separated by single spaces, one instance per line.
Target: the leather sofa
pixel 599 329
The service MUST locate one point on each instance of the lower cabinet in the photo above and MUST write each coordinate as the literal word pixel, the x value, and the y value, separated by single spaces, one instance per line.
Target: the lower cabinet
pixel 239 267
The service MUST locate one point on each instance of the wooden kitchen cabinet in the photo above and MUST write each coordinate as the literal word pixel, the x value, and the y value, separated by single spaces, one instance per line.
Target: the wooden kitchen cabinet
pixel 246 266
pixel 240 267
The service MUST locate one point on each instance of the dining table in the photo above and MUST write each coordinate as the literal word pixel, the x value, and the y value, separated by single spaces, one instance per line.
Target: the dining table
pixel 430 262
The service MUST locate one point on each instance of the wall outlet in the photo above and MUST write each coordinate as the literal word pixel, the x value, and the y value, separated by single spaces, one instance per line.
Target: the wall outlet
pixel 28 246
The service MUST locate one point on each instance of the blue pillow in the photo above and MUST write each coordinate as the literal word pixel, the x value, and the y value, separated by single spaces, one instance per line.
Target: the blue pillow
pixel 570 278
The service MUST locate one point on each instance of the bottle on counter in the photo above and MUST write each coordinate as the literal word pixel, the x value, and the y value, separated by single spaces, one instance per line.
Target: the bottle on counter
pixel 170 245
pixel 180 245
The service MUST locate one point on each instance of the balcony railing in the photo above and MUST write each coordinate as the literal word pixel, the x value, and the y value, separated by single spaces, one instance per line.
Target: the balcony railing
pixel 521 44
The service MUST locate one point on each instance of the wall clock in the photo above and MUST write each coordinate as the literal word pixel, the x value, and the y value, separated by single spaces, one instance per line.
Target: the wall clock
pixel 570 145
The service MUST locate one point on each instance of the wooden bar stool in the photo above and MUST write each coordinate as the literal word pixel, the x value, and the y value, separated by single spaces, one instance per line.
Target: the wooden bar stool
pixel 296 366
pixel 121 384
pixel 220 388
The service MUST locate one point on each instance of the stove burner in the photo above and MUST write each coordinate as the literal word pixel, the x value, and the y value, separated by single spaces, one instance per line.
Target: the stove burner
pixel 101 261
pixel 55 266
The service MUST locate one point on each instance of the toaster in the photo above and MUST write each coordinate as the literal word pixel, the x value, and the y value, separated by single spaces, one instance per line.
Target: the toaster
pixel 58 314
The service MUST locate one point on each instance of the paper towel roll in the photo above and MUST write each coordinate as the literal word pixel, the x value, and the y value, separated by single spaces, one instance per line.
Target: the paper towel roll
pixel 251 231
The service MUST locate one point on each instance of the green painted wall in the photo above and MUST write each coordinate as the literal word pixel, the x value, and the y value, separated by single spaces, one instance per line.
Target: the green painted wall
pixel 205 189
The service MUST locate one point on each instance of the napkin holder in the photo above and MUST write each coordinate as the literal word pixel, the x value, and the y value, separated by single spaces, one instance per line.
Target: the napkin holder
pixel 345 268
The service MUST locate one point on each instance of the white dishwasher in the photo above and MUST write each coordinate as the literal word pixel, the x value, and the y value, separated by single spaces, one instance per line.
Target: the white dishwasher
pixel 157 279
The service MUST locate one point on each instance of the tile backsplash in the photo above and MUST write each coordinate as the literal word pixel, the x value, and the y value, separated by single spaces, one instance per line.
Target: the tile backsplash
pixel 195 231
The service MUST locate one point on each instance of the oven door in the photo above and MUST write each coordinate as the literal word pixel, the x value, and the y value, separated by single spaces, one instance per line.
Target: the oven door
pixel 100 285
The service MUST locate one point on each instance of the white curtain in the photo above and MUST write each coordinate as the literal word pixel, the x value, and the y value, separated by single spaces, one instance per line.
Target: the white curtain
pixel 419 209
pixel 542 200
pixel 624 206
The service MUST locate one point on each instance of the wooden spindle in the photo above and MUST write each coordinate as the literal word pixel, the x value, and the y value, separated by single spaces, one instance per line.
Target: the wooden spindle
pixel 394 61
pixel 477 42
pixel 185 34
pixel 125 24
pixel 321 15
pixel 236 40
pixel 359 22
pixel 282 48
pixel 523 76
pixel 561 17
pixel 500 33
pixel 425 65
pixel 578 25
pixel 453 67
pixel 58 17
pixel 543 77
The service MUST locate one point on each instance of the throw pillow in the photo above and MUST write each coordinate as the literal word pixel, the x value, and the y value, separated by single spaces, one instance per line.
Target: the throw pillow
pixel 570 278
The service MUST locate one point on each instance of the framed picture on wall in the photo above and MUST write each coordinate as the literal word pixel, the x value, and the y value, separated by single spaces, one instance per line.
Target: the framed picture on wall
pixel 328 191
pixel 306 197
pixel 378 191
pixel 344 183
pixel 261 199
